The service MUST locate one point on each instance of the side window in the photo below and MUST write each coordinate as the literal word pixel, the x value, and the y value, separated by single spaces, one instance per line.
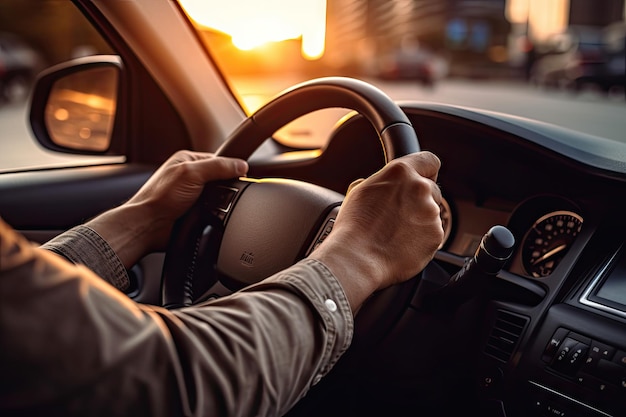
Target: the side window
pixel 34 35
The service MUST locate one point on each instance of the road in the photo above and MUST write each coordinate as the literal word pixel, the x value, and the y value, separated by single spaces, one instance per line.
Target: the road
pixel 588 112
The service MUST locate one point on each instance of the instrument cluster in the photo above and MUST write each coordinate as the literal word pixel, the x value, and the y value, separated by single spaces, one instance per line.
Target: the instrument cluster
pixel 545 227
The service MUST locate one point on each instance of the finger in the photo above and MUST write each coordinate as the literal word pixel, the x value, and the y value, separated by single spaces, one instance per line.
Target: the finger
pixel 436 193
pixel 212 168
pixel 427 164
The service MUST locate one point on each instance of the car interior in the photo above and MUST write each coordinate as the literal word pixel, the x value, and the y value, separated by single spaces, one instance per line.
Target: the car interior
pixel 522 311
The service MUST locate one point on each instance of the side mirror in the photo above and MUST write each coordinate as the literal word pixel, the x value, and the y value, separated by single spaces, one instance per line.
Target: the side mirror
pixel 74 106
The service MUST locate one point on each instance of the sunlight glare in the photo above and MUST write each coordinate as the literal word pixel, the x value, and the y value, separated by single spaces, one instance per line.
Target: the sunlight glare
pixel 544 18
pixel 548 18
pixel 251 23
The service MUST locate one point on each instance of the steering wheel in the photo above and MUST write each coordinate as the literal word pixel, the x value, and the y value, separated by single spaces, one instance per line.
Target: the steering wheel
pixel 242 231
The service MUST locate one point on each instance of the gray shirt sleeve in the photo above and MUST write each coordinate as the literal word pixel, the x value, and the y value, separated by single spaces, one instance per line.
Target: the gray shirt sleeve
pixel 83 245
pixel 72 344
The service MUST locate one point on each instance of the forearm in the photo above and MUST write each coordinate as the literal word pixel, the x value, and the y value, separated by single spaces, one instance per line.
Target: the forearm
pixel 82 245
pixel 132 231
pixel 290 335
pixel 110 244
pixel 68 335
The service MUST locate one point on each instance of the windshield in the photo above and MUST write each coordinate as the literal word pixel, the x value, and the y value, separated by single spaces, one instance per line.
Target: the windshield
pixel 529 58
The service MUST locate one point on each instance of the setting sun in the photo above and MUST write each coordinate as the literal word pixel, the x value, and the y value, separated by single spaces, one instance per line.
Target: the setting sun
pixel 251 23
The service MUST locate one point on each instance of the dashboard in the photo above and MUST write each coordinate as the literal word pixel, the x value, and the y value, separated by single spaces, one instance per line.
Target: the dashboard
pixel 547 335
pixel 555 338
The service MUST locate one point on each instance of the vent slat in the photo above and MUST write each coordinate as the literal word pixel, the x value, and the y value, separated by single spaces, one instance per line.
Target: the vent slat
pixel 505 334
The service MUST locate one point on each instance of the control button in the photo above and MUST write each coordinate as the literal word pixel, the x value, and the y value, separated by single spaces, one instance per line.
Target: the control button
pixel 219 214
pixel 571 356
pixel 553 344
pixel 219 200
pixel 328 227
pixel 563 352
pixel 597 351
pixel 604 351
pixel 578 356
pixel 224 198
pixel 490 378
pixel 591 382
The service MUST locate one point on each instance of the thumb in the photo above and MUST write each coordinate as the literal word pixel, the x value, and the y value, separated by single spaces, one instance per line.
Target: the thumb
pixel 220 168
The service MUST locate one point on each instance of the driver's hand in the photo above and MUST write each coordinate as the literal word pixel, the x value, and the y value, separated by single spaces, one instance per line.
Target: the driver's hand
pixel 177 184
pixel 144 223
pixel 388 229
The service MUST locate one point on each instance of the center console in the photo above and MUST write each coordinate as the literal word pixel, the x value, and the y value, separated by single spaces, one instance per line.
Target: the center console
pixel 576 365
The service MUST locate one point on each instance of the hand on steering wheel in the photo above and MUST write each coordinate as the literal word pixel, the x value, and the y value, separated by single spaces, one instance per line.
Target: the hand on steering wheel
pixel 244 230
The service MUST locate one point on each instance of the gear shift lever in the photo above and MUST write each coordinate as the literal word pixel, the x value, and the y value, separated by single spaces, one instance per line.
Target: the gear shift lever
pixel 437 291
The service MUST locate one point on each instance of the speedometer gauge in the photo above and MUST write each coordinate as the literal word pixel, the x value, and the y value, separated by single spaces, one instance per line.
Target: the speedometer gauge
pixel 547 242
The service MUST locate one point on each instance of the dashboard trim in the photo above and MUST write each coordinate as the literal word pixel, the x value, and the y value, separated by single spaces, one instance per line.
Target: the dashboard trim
pixel 588 149
pixel 568 398
pixel 584 298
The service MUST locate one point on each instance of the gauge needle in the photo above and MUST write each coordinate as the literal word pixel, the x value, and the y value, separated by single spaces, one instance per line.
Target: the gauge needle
pixel 549 254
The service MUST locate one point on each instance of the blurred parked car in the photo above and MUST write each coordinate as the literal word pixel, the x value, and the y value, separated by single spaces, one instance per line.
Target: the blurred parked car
pixel 615 53
pixel 413 63
pixel 573 60
pixel 19 64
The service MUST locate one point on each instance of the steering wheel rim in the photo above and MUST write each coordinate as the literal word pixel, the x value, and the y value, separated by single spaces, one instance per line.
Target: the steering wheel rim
pixel 394 129
pixel 202 225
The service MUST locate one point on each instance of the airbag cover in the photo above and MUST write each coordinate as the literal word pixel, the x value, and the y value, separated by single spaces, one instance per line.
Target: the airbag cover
pixel 270 227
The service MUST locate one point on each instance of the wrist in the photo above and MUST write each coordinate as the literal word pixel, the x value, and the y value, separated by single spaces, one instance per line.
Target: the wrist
pixel 359 274
pixel 131 231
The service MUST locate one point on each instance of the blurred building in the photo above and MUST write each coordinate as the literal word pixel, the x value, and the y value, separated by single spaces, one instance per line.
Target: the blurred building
pixel 540 27
pixel 477 37
pixel 470 34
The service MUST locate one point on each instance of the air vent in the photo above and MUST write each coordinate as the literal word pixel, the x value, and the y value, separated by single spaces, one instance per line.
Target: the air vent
pixel 507 330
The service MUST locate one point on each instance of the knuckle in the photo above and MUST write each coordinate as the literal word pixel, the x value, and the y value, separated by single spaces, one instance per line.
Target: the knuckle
pixel 182 154
pixel 421 186
pixel 400 168
pixel 184 168
pixel 431 158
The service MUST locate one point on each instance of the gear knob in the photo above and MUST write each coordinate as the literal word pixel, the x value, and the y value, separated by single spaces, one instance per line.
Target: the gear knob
pixel 495 248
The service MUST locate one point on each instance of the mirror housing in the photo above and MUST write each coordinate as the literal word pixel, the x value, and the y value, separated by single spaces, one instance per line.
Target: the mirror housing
pixel 74 106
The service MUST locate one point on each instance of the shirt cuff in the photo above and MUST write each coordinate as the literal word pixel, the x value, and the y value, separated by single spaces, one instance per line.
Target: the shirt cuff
pixel 316 283
pixel 83 245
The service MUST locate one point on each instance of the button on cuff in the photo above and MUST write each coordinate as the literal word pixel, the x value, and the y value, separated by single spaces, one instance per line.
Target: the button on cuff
pixel 330 305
